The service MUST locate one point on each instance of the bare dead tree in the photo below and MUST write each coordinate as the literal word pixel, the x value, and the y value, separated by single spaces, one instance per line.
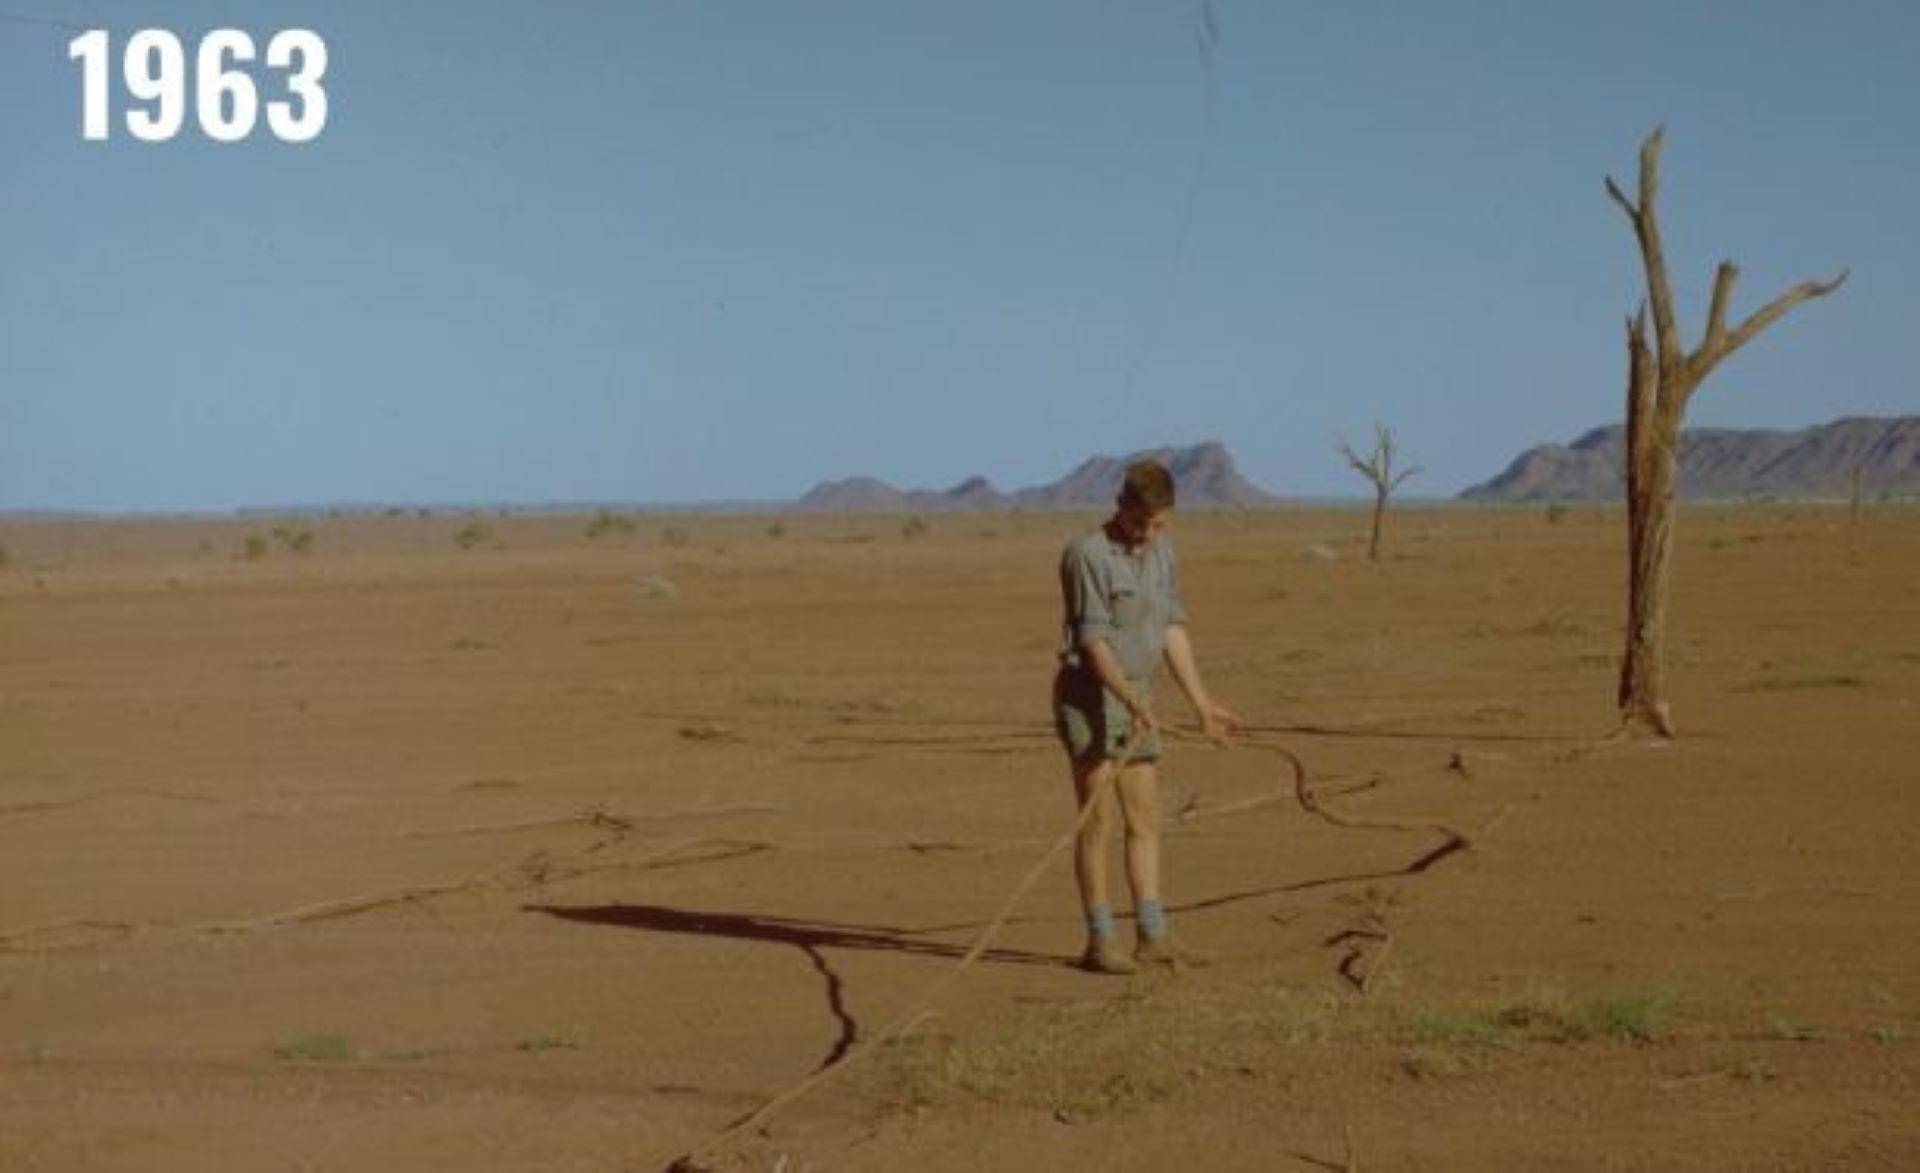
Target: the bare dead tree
pixel 1660 381
pixel 1377 467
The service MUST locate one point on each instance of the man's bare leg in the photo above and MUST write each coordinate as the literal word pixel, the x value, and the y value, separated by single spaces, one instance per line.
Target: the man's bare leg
pixel 1139 792
pixel 1139 789
pixel 1093 783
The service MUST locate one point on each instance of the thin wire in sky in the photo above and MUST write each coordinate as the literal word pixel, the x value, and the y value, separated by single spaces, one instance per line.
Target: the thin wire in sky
pixel 1206 37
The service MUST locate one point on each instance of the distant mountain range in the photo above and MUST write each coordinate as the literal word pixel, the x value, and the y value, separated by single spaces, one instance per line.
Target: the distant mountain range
pixel 1204 475
pixel 1727 464
pixel 1715 464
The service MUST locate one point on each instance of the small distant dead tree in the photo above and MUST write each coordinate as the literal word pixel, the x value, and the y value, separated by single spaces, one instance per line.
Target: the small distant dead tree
pixel 1660 381
pixel 1377 467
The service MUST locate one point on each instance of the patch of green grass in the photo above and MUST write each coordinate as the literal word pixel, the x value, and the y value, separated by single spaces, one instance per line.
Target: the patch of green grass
pixel 1471 1028
pixel 1623 1016
pixel 1080 1062
pixel 1091 1060
pixel 325 1047
pixel 466 644
pixel 1617 1016
pixel 253 547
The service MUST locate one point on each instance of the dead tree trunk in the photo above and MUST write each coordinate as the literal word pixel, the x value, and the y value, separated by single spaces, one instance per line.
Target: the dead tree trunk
pixel 1377 467
pixel 1660 381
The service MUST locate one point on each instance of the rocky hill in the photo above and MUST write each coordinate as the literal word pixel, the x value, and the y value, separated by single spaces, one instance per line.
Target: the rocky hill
pixel 1727 464
pixel 1205 474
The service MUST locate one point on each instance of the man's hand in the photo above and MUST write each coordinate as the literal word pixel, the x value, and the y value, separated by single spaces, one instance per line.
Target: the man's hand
pixel 1144 722
pixel 1216 722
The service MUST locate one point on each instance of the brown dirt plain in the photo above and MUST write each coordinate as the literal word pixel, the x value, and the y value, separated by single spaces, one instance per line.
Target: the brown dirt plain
pixel 398 855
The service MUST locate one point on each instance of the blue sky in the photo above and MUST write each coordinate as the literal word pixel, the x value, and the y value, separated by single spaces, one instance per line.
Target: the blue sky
pixel 674 251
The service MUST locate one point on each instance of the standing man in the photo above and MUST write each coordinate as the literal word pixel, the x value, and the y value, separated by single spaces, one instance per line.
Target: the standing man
pixel 1122 617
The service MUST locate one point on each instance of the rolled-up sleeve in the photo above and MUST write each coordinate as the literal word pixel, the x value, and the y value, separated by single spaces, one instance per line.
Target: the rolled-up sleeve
pixel 1089 616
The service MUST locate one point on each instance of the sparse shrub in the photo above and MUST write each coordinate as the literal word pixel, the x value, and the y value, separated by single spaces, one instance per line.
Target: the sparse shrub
pixel 1556 513
pixel 915 527
pixel 658 586
pixel 675 536
pixel 297 541
pixel 3 555
pixel 253 547
pixel 609 524
pixel 316 1048
pixel 474 533
pixel 777 530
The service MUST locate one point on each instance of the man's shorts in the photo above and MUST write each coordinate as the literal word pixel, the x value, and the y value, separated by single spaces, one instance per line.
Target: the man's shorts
pixel 1093 724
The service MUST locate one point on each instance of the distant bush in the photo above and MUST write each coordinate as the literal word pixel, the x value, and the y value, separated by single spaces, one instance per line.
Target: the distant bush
pixel 253 547
pixel 916 527
pixel 606 524
pixel 1556 513
pixel 777 530
pixel 675 535
pixel 473 534
pixel 297 541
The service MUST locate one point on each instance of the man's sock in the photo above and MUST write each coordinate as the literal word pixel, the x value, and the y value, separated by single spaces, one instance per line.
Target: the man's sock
pixel 1151 916
pixel 1100 921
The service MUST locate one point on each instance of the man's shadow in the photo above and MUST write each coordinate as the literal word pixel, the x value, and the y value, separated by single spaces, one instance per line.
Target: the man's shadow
pixel 810 937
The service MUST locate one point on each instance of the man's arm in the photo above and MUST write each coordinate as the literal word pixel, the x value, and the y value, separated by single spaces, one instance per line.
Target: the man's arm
pixel 1215 721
